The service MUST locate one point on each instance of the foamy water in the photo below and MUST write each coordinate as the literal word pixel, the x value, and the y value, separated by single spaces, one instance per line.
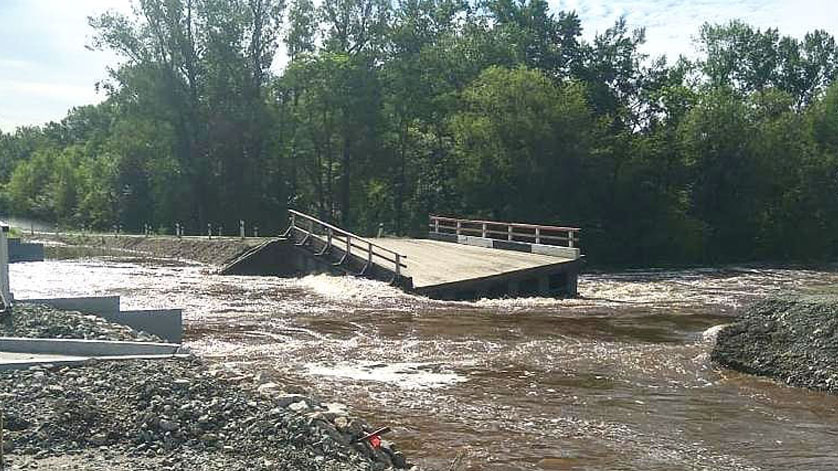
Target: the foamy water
pixel 404 375
pixel 616 379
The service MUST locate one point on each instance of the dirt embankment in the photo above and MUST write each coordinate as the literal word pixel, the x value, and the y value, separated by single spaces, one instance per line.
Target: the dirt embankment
pixel 216 251
pixel 792 339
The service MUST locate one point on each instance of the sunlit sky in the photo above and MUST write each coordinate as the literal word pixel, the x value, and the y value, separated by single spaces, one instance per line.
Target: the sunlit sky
pixel 45 68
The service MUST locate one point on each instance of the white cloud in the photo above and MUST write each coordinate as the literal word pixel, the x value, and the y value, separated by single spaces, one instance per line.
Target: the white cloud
pixel 45 68
pixel 671 25
pixel 48 90
pixel 15 64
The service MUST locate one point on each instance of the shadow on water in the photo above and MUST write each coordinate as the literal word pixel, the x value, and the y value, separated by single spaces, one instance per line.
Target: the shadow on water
pixel 617 379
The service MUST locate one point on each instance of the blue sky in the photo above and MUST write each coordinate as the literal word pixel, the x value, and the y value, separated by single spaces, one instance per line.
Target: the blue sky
pixel 45 68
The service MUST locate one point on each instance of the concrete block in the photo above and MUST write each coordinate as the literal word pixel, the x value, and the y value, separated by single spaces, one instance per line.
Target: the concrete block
pixel 164 323
pixel 511 245
pixel 99 305
pixel 443 237
pixel 475 241
pixel 85 348
pixel 25 252
pixel 71 361
pixel 551 250
pixel 5 294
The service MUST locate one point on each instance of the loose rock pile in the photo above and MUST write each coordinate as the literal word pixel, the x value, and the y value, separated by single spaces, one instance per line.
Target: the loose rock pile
pixel 38 321
pixel 176 415
pixel 794 340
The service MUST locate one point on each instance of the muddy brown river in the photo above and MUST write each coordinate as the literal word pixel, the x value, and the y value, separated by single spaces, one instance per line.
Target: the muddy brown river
pixel 617 379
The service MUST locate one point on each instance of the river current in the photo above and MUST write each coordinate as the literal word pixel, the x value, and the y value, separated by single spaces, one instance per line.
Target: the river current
pixel 619 378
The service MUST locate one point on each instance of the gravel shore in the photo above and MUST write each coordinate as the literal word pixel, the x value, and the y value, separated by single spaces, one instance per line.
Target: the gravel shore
pixel 792 339
pixel 175 414
pixel 38 321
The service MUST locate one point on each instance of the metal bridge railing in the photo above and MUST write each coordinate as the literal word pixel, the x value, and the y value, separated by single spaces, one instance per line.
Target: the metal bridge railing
pixel 513 232
pixel 334 236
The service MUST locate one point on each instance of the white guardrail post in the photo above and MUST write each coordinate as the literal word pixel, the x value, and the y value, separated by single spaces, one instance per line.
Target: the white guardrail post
pixel 4 262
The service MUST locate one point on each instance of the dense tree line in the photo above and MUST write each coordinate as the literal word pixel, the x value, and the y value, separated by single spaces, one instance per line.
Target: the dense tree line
pixel 389 111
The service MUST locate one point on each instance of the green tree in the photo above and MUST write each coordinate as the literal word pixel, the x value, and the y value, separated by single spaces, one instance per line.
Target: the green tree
pixel 521 138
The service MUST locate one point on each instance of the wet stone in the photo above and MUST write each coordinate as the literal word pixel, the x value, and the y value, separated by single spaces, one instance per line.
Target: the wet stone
pixel 175 410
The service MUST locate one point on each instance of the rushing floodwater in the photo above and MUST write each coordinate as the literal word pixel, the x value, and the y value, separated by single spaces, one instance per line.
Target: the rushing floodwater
pixel 618 379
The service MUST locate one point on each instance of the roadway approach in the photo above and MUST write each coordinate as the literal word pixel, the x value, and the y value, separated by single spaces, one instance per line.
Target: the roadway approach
pixel 461 259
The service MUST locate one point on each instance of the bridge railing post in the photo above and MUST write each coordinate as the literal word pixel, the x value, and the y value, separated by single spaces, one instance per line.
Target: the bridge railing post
pixel 348 246
pixel 570 235
pixel 509 233
pixel 398 266
pixel 436 226
pixel 369 254
pixel 537 235
pixel 459 227
pixel 329 239
pixel 484 230
pixel 241 228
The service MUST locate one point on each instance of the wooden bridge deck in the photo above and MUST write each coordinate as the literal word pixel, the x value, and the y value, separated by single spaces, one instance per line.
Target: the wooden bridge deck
pixel 432 262
pixel 456 262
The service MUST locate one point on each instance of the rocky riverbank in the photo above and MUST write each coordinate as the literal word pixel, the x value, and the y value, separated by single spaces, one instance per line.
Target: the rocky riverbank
pixel 175 414
pixel 38 321
pixel 791 339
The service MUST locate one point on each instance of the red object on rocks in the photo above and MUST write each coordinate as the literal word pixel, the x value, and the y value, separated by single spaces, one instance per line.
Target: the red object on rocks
pixel 374 437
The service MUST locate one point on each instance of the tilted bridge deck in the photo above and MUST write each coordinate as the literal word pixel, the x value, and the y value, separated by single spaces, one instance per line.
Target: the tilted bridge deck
pixel 457 261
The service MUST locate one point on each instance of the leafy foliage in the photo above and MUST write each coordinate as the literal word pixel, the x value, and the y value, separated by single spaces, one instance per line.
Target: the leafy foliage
pixel 389 111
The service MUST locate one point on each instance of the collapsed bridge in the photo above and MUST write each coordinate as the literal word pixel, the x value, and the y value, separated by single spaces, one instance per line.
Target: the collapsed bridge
pixel 461 259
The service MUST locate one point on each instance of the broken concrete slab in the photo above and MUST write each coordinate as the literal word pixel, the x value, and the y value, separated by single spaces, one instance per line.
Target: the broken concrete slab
pixel 18 361
pixel 164 323
pixel 20 251
pixel 85 348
